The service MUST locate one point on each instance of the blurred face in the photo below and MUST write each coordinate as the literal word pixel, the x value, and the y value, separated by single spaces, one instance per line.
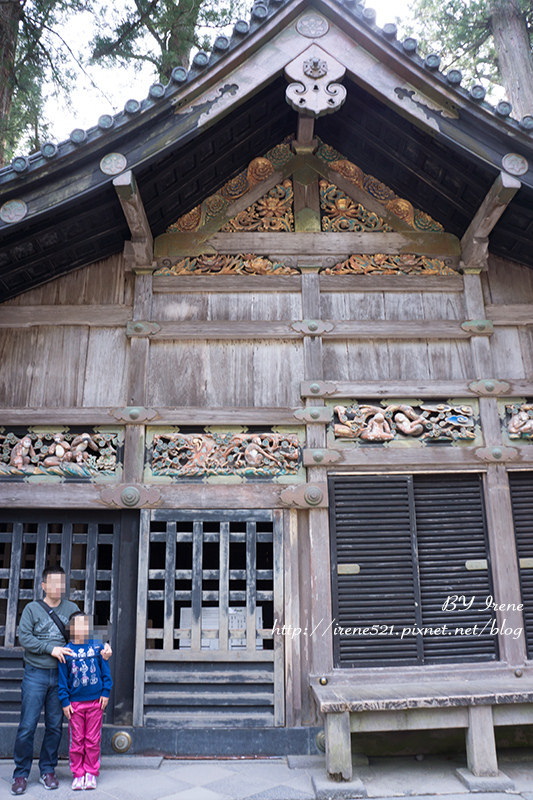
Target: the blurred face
pixel 54 586
pixel 80 629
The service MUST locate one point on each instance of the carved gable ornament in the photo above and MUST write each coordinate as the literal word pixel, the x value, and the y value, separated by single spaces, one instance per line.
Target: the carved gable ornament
pixel 315 91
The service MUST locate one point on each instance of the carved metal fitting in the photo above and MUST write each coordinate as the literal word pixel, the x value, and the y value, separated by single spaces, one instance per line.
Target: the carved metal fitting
pixel 497 455
pixel 307 495
pixel 312 327
pixel 130 496
pixel 135 414
pixel 317 388
pixel 320 457
pixel 478 326
pixel 141 328
pixel 121 742
pixel 315 91
pixel 314 414
pixel 490 386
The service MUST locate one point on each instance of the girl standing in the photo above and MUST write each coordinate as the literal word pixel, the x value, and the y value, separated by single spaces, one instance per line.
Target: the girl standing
pixel 84 687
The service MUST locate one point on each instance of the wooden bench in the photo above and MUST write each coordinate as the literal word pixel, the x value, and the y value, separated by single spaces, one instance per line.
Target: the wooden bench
pixel 477 706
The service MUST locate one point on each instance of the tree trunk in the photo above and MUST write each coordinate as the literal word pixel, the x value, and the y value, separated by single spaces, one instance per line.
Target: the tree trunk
pixel 10 14
pixel 513 48
pixel 181 37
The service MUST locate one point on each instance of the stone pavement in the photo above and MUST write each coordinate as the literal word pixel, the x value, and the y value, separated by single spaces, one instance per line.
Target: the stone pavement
pixel 292 778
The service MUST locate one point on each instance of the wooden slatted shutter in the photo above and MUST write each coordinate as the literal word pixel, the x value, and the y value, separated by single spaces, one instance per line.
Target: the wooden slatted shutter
pixel 400 546
pixel 453 559
pixel 521 484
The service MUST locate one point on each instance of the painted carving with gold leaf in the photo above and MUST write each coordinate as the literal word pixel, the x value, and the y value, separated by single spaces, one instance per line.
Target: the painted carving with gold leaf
pixel 273 212
pixel 520 424
pixel 341 213
pixel 402 208
pixel 427 422
pixel 388 264
pixel 247 264
pixel 66 454
pixel 249 455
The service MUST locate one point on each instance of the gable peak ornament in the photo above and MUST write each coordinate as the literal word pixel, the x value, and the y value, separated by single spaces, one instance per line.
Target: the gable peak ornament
pixel 314 90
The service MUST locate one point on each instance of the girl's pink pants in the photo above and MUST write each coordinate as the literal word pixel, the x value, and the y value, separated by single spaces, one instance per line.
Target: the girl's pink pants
pixel 84 728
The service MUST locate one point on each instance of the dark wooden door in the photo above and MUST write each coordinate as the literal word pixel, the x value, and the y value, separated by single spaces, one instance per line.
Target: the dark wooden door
pixel 210 589
pixel 86 544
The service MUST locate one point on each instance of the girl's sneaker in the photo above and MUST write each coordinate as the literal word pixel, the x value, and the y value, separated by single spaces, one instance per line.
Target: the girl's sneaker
pixel 90 781
pixel 78 783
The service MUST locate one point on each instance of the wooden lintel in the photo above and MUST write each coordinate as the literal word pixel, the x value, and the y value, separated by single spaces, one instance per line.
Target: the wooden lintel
pixel 407 457
pixel 474 243
pixel 102 316
pixel 132 205
pixel 443 245
pixel 408 389
pixel 189 415
pixel 519 314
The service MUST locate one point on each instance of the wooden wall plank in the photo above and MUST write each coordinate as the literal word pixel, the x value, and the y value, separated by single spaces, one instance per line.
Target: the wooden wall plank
pixel 184 284
pixel 507 353
pixel 106 370
pixel 508 282
pixel 108 316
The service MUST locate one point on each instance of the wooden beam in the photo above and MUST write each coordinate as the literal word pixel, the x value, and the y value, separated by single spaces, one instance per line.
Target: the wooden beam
pixel 474 243
pixel 519 314
pixel 197 283
pixel 391 283
pixel 173 245
pixel 410 389
pixel 103 316
pixel 132 205
pixel 211 330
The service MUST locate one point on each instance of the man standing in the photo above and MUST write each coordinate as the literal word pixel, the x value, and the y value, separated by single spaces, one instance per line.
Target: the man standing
pixel 41 633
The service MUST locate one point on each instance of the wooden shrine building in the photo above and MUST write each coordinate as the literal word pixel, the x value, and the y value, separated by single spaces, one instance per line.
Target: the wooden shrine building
pixel 266 386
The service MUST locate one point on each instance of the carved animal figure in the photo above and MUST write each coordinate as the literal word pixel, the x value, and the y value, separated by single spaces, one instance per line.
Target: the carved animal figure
pixel 521 423
pixel 79 447
pixel 22 453
pixel 59 451
pixel 377 429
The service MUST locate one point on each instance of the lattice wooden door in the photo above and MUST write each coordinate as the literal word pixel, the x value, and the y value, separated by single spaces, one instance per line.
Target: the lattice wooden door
pixel 210 589
pixel 85 544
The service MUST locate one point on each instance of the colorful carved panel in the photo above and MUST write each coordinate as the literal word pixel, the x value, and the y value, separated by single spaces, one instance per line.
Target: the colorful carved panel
pixel 66 453
pixel 402 208
pixel 383 264
pixel 340 213
pixel 258 170
pixel 244 455
pixel 519 420
pixel 273 212
pixel 425 422
pixel 247 264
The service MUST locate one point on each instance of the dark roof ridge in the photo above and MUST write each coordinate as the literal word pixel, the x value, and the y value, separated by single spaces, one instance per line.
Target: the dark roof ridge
pixel 261 12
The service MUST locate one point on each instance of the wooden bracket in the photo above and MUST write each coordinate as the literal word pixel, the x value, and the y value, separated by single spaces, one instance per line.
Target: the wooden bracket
pixel 135 414
pixel 481 327
pixel 489 386
pixel 131 496
pixel 132 205
pixel 496 455
pixel 141 328
pixel 318 457
pixel 317 388
pixel 474 244
pixel 312 327
pixel 307 495
pixel 312 414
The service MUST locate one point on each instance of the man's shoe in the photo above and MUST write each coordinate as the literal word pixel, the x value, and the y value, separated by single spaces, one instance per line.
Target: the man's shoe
pixel 18 786
pixel 49 781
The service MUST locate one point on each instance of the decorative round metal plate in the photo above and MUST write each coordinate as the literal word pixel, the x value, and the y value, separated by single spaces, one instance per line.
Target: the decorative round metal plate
pixel 113 163
pixel 312 26
pixel 121 741
pixel 515 164
pixel 13 211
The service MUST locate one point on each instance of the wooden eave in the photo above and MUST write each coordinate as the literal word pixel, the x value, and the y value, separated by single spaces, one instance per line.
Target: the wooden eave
pixel 74 217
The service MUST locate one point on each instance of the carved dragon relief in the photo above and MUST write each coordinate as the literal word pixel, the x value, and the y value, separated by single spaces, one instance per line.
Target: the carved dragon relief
pixel 429 422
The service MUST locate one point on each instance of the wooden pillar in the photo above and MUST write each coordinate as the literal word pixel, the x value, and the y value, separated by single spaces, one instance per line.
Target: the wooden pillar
pixel 480 744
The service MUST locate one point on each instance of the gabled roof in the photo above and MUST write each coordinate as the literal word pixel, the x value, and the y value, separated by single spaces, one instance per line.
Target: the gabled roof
pixel 403 121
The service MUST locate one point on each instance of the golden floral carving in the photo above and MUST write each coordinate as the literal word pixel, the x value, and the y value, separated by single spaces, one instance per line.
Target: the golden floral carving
pixel 403 209
pixel 341 213
pixel 349 171
pixel 385 264
pixel 189 221
pixel 247 264
pixel 272 212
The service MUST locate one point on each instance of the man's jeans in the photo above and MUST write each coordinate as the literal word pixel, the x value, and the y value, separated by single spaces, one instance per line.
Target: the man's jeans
pixel 39 688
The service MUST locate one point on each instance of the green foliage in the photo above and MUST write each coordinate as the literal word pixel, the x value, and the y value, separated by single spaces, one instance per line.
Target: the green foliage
pixel 460 31
pixel 162 32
